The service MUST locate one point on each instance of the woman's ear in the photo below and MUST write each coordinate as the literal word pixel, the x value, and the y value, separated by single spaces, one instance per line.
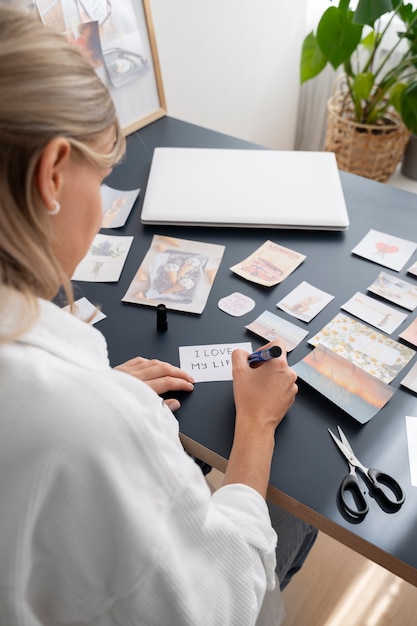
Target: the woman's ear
pixel 51 170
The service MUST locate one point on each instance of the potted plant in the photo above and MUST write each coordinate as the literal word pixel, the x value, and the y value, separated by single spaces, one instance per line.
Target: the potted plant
pixel 373 108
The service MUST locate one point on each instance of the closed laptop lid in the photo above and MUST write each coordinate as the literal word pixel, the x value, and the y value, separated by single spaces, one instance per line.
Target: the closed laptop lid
pixel 244 188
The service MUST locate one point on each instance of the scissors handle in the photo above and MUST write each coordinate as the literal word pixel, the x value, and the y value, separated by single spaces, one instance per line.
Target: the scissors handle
pixel 350 484
pixel 386 489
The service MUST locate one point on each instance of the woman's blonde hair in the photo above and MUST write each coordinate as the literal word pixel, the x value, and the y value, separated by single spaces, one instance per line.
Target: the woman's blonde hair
pixel 47 89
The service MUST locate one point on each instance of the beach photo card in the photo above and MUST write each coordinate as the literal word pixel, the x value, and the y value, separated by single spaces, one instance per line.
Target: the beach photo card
pixel 271 327
pixel 364 346
pixel 395 290
pixel 208 363
pixel 374 312
pixel 176 272
pixel 409 334
pixel 386 250
pixel 269 265
pixel 355 391
pixel 105 259
pixel 305 301
pixel 116 205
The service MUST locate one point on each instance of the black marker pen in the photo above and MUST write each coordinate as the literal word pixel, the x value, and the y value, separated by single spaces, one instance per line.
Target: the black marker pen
pixel 256 358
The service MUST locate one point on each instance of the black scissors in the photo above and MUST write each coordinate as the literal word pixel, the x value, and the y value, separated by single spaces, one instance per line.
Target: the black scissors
pixel 387 491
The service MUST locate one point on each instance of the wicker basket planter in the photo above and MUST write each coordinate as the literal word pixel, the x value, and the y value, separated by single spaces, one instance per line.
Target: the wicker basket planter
pixel 369 151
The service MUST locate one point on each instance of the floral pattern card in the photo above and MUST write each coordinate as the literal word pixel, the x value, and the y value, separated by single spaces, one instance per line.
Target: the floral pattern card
pixel 374 312
pixel 268 265
pixel 176 272
pixel 104 261
pixel 305 301
pixel 271 327
pixel 354 390
pixel 395 290
pixel 362 345
pixel 386 250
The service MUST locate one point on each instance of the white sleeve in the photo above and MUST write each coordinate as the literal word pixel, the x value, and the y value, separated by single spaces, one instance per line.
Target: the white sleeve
pixel 142 539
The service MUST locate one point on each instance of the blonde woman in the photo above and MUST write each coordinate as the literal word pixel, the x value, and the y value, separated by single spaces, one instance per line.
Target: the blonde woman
pixel 104 519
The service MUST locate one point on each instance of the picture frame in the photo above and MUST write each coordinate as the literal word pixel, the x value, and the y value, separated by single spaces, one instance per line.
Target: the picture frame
pixel 119 39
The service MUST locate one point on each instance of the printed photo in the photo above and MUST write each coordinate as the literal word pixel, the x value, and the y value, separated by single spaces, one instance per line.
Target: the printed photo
pixel 386 250
pixel 305 301
pixel 349 387
pixel 105 260
pixel 176 272
pixel 365 347
pixel 395 290
pixel 374 312
pixel 271 327
pixel 269 265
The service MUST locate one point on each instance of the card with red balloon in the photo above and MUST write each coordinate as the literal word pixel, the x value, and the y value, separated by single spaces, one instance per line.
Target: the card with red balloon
pixel 386 250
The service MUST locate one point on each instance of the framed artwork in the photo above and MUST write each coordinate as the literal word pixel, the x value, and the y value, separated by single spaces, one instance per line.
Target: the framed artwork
pixel 118 38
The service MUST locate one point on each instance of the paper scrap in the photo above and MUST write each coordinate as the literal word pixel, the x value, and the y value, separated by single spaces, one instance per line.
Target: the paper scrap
pixel 86 311
pixel 237 304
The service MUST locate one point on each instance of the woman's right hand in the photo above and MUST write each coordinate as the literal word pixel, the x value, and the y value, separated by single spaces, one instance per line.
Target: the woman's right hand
pixel 263 394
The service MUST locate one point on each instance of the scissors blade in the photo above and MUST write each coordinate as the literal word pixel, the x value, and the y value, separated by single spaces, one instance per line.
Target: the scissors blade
pixel 346 450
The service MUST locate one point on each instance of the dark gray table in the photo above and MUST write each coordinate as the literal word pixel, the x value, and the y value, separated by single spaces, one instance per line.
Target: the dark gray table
pixel 307 467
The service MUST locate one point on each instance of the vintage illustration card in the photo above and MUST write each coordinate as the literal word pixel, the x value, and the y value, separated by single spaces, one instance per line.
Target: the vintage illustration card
pixel 351 388
pixel 386 250
pixel 117 206
pixel 305 301
pixel 271 327
pixel 395 290
pixel 210 362
pixel 269 265
pixel 362 345
pixel 374 312
pixel 176 272
pixel 105 260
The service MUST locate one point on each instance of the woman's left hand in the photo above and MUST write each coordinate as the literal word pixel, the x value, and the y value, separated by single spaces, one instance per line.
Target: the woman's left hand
pixel 159 375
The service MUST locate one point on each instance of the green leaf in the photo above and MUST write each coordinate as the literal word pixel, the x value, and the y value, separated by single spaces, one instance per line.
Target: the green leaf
pixel 312 59
pixel 368 42
pixel 368 11
pixel 395 95
pixel 337 37
pixel 409 107
pixel 362 85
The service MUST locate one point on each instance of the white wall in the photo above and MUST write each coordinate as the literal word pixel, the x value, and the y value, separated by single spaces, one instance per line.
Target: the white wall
pixel 233 65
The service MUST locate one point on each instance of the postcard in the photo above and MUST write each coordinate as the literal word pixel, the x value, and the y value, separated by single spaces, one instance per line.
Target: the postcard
pixel 117 206
pixel 362 345
pixel 411 425
pixel 271 327
pixel 269 265
pixel 210 362
pixel 410 379
pixel 86 311
pixel 410 333
pixel 357 392
pixel 395 290
pixel 104 261
pixel 386 250
pixel 305 301
pixel 176 272
pixel 413 269
pixel 374 312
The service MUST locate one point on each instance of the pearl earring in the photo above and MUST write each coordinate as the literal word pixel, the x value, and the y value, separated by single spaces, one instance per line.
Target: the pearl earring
pixel 56 209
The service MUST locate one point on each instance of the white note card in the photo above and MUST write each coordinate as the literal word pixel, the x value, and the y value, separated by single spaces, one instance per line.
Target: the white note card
pixel 411 423
pixel 210 362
